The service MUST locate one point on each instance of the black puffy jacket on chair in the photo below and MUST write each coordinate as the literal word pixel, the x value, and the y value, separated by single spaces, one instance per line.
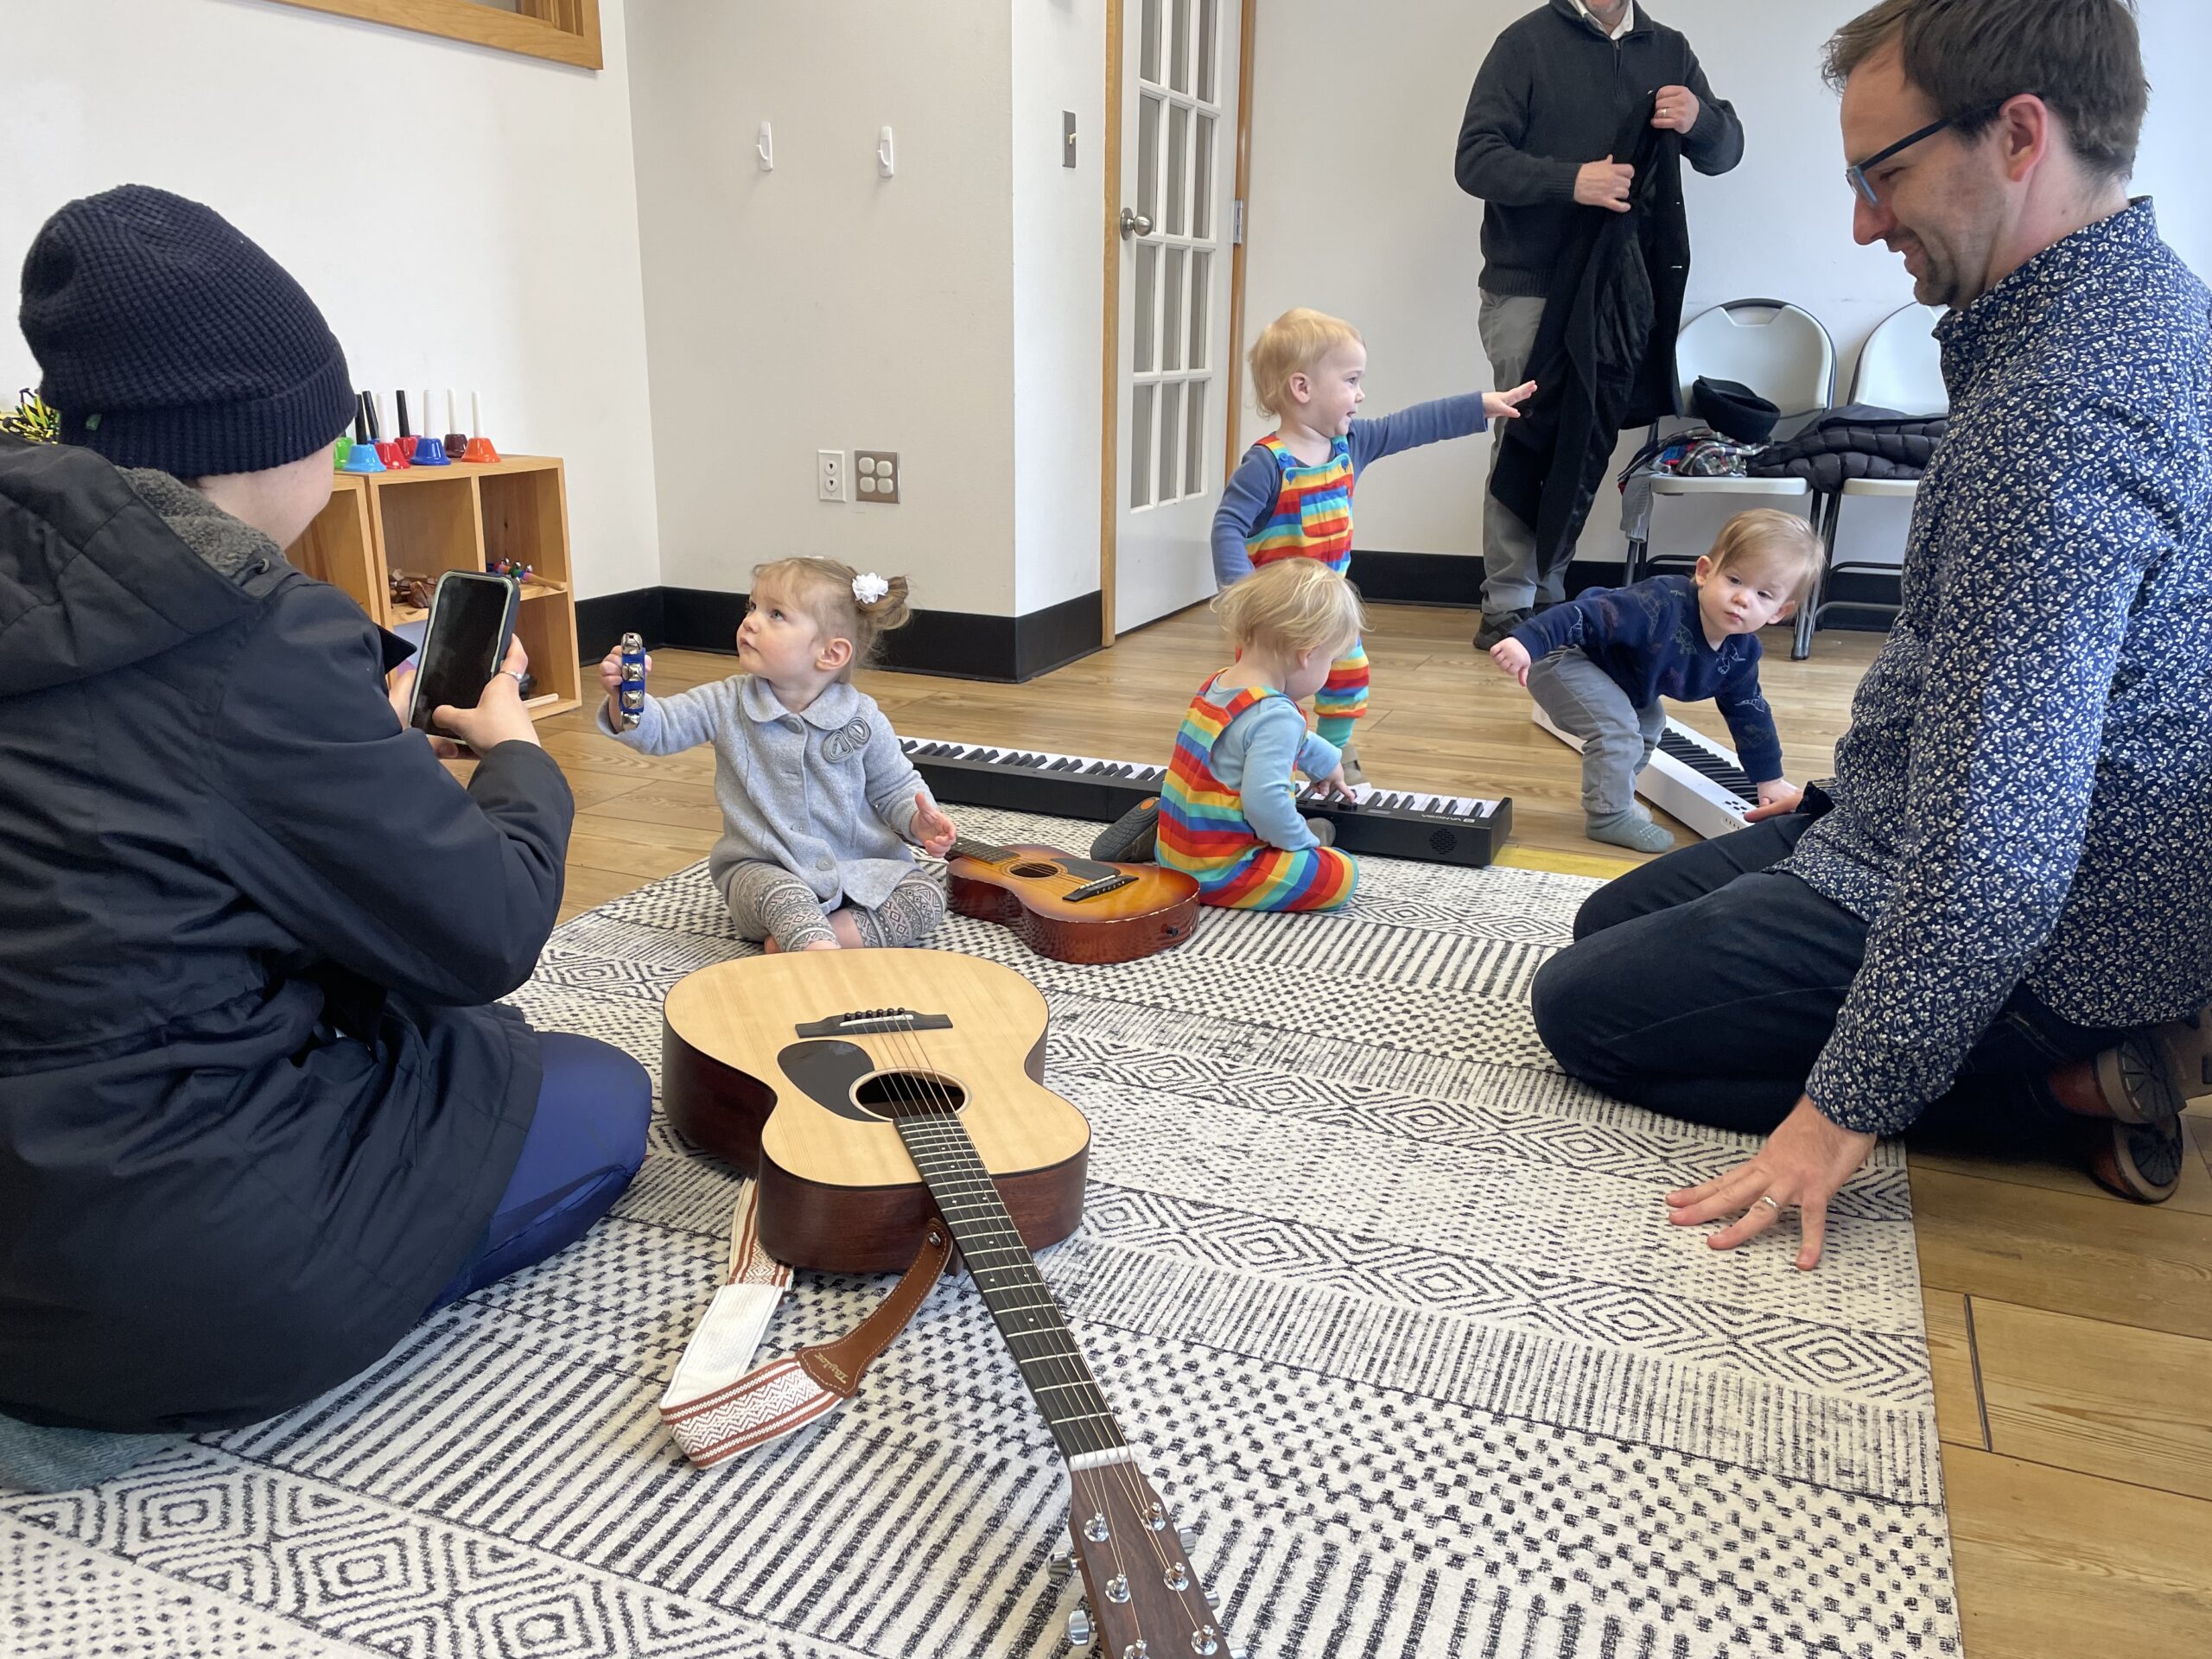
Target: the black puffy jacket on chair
pixel 254 1111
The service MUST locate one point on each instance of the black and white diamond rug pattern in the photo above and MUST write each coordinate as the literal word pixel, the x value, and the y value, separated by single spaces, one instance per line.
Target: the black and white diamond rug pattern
pixel 1385 1298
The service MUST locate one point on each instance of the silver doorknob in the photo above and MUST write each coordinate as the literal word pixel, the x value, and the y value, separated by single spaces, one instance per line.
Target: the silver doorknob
pixel 1134 224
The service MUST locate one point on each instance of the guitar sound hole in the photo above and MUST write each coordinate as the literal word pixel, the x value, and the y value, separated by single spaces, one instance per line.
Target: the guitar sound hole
pixel 1033 871
pixel 893 1095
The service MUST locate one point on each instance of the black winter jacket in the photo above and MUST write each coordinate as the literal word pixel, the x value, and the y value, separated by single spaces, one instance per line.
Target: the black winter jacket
pixel 1857 440
pixel 254 1112
pixel 1553 94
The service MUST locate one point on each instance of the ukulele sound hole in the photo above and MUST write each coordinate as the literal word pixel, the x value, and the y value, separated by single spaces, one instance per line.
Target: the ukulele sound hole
pixel 1033 871
pixel 909 1094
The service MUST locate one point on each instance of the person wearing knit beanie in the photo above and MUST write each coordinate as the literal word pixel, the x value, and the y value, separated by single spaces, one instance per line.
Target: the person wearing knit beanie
pixel 168 338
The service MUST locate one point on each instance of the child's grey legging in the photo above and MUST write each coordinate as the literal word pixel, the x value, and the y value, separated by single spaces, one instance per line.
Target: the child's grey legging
pixel 766 901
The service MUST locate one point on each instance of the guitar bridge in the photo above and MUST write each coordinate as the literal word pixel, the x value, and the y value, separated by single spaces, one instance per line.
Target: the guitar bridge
pixel 1104 885
pixel 860 1021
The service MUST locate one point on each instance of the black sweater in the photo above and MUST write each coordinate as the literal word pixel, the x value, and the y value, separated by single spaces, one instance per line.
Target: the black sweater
pixel 1550 98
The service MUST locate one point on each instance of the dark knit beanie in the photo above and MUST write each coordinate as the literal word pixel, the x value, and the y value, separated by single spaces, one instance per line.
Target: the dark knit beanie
pixel 169 339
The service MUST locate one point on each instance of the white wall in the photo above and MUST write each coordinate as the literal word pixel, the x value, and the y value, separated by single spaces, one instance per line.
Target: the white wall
pixel 325 140
pixel 1060 289
pixel 1404 262
pixel 820 306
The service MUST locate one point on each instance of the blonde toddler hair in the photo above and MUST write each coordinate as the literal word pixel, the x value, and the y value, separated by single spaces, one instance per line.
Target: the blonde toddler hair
pixel 1290 607
pixel 1771 540
pixel 824 590
pixel 1296 340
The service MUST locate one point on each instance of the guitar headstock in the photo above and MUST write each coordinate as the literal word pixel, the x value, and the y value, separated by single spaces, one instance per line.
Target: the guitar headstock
pixel 1146 1599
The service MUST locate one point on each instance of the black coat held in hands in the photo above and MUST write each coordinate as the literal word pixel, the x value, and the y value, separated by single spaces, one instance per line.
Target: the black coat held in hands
pixel 1605 352
pixel 254 1109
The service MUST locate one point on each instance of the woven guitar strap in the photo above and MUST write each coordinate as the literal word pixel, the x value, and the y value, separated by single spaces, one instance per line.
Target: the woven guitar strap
pixel 716 1406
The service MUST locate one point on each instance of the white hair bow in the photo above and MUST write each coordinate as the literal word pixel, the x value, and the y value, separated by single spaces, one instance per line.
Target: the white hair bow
pixel 868 588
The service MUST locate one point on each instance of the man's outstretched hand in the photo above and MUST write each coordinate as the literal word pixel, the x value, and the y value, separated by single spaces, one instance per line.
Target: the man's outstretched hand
pixel 1803 1166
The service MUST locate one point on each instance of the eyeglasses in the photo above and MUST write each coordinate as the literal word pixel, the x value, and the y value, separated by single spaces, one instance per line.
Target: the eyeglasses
pixel 1855 175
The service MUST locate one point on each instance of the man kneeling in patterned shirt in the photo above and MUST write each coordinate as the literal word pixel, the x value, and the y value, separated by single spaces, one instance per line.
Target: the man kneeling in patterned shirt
pixel 1975 925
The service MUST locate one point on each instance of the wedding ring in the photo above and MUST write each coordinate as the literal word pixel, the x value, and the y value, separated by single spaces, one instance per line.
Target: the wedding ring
pixel 1770 1201
pixel 515 675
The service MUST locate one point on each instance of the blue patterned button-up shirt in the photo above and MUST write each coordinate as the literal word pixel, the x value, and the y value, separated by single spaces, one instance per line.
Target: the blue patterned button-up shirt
pixel 2026 792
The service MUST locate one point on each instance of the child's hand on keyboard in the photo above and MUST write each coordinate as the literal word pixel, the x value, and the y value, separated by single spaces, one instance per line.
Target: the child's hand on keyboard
pixel 1334 783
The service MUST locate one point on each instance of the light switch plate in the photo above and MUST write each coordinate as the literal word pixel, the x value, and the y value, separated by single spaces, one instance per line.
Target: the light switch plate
pixel 875 473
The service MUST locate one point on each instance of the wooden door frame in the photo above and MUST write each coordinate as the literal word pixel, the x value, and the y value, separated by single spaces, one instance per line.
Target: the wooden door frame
pixel 1109 499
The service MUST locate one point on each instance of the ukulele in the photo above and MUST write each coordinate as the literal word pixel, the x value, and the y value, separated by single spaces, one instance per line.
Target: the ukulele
pixel 1073 909
pixel 870 1092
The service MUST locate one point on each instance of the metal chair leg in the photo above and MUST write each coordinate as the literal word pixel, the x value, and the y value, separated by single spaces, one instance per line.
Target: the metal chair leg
pixel 1824 514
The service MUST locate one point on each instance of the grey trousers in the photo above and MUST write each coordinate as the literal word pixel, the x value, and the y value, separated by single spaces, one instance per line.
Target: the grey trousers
pixel 1617 737
pixel 766 901
pixel 1511 582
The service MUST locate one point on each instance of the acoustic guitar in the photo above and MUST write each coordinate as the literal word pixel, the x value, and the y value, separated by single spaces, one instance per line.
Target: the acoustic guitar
pixel 1074 909
pixel 871 1092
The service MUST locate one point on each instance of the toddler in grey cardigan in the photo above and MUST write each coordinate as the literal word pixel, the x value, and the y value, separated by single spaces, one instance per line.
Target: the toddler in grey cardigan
pixel 819 803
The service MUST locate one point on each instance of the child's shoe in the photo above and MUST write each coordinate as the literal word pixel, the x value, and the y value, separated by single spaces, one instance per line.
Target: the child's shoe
pixel 1324 831
pixel 1133 838
pixel 1353 774
pixel 1633 829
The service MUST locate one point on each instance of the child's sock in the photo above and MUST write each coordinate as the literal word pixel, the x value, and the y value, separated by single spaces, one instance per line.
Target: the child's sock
pixel 1335 730
pixel 1633 829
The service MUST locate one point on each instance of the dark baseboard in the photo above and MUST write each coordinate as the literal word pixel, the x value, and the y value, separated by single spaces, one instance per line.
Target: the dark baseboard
pixel 1456 579
pixel 602 622
pixel 958 644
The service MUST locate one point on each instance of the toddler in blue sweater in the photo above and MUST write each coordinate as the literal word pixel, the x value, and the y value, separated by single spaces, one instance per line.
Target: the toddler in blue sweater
pixel 1600 664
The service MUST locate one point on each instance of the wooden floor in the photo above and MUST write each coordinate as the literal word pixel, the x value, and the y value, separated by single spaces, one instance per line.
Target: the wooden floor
pixel 2072 1332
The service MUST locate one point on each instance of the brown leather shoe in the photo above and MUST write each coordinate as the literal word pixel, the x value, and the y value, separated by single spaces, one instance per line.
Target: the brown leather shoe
pixel 2141 1161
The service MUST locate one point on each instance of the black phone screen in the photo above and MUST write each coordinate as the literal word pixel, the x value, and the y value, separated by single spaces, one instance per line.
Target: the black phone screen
pixel 471 616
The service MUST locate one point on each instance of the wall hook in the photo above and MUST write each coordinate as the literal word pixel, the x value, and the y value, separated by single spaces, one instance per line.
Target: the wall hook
pixel 883 152
pixel 765 148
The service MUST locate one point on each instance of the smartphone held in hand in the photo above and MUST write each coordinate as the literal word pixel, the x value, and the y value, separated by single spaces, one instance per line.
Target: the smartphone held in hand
pixel 472 619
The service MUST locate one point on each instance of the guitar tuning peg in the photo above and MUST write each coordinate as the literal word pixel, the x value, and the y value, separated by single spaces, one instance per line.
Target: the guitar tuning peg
pixel 1060 1566
pixel 1079 1629
pixel 1213 1601
pixel 1188 1537
pixel 1237 1652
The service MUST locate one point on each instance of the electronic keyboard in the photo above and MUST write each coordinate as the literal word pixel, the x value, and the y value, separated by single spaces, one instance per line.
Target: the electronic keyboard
pixel 1690 776
pixel 1386 823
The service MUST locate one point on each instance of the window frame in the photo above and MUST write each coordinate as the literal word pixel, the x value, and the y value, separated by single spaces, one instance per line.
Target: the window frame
pixel 563 31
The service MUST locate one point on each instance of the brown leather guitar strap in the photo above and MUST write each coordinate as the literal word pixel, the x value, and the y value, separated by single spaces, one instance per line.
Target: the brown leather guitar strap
pixel 715 1413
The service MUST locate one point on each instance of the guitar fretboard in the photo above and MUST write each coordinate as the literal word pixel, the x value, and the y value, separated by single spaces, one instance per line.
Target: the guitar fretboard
pixel 1028 1317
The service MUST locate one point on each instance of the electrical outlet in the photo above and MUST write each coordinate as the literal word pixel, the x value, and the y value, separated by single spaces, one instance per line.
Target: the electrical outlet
pixel 830 474
pixel 879 475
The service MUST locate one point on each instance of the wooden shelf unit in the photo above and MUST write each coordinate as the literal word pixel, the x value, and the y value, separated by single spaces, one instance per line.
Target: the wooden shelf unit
pixel 464 517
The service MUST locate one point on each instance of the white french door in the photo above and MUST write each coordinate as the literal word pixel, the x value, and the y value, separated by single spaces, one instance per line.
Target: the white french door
pixel 1178 134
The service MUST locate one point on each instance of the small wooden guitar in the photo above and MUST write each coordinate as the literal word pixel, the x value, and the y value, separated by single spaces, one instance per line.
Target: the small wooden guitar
pixel 1074 909
pixel 873 1091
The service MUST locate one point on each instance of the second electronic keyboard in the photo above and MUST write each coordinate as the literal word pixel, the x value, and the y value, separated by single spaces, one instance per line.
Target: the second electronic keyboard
pixel 1690 776
pixel 1386 823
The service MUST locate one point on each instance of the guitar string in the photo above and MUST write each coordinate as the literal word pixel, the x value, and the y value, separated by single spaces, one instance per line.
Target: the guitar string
pixel 1079 1372
pixel 1008 858
pixel 946 1145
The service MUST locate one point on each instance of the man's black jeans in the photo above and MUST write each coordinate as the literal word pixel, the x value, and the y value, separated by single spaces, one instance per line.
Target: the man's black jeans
pixel 1705 985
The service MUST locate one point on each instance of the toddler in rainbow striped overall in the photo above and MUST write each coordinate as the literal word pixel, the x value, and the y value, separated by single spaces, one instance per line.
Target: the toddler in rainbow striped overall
pixel 1290 495
pixel 1228 812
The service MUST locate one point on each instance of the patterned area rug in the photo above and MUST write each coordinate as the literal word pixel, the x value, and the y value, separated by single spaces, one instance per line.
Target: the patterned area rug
pixel 1388 1298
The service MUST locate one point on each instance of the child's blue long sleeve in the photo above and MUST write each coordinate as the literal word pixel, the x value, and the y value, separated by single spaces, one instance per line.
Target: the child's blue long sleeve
pixel 1255 755
pixel 1410 428
pixel 1247 501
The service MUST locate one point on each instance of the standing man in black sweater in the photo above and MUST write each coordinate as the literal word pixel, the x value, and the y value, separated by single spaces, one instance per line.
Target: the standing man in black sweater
pixel 1542 118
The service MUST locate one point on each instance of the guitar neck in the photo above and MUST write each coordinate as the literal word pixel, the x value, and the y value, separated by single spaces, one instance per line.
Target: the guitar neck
pixel 1028 1317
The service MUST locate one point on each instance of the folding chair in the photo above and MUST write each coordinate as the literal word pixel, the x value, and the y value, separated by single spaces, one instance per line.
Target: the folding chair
pixel 1900 367
pixel 1780 351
